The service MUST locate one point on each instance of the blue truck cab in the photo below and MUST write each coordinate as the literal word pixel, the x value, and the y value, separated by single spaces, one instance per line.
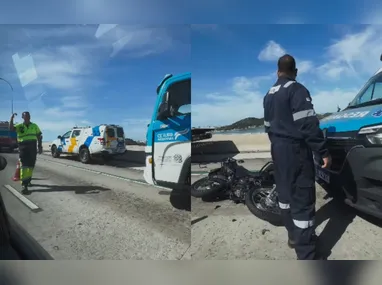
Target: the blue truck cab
pixel 354 140
pixel 168 147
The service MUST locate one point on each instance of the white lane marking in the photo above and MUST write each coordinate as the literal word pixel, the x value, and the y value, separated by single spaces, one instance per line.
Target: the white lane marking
pixel 18 195
pixel 199 174
pixel 140 168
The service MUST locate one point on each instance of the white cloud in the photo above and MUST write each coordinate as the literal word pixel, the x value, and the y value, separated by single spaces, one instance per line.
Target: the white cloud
pixel 327 100
pixel 246 100
pixel 63 61
pixel 353 55
pixel 135 128
pixel 271 52
pixel 304 66
pixel 242 100
pixel 103 29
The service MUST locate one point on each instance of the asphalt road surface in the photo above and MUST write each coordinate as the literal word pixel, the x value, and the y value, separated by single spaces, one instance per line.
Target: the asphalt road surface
pixel 99 212
pixel 224 230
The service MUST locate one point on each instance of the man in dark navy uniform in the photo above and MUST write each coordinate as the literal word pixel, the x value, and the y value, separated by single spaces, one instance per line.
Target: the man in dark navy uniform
pixel 293 129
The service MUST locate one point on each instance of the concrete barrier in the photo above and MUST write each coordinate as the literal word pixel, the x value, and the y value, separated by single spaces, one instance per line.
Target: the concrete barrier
pixel 238 146
pixel 220 146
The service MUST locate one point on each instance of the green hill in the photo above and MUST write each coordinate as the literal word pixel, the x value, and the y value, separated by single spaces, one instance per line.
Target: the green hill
pixel 252 122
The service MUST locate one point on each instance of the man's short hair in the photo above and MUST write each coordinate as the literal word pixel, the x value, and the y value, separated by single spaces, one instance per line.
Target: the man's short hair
pixel 286 64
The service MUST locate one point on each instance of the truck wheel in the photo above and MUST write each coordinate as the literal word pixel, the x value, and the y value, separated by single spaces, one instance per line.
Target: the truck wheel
pixel 84 155
pixel 55 152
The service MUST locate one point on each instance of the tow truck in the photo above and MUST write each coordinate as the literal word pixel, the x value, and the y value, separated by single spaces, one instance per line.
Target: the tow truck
pixel 354 139
pixel 168 137
pixel 8 139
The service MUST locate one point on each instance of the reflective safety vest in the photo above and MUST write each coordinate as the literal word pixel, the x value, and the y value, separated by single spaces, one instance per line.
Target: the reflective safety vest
pixel 27 133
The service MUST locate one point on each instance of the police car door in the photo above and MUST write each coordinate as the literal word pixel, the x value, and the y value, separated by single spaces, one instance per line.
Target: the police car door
pixel 73 142
pixel 172 139
pixel 65 141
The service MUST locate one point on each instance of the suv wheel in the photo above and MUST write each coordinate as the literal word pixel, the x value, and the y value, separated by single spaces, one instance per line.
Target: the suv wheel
pixel 55 152
pixel 84 155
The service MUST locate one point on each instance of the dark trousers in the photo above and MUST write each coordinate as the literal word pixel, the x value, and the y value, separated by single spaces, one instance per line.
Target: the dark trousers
pixel 28 156
pixel 295 185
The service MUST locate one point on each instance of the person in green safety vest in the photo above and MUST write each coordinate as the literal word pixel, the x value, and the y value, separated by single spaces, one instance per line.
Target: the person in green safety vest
pixel 29 138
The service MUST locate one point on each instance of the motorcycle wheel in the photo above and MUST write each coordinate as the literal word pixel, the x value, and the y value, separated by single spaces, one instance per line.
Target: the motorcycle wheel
pixel 255 201
pixel 205 187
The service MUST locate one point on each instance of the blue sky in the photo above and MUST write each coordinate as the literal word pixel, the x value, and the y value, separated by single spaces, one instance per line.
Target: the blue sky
pixel 88 74
pixel 233 66
pixel 197 11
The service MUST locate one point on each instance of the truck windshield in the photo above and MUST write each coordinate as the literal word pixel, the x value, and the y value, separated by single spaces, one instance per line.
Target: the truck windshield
pixel 370 94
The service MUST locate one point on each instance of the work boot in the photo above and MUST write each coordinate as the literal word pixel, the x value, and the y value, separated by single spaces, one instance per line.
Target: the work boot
pixel 25 190
pixel 292 243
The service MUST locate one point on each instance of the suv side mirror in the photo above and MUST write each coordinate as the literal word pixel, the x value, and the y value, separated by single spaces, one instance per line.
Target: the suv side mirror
pixel 59 137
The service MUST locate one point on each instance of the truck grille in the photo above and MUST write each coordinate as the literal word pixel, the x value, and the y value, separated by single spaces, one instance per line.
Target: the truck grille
pixel 338 149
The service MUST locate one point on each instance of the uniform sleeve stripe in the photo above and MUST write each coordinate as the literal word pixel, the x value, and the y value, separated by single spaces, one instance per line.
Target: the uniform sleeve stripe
pixel 303 114
pixel 289 83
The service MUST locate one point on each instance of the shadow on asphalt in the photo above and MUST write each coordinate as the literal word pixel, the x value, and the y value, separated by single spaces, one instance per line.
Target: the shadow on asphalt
pixel 215 198
pixel 60 188
pixel 179 199
pixel 339 216
pixel 344 273
pixel 197 220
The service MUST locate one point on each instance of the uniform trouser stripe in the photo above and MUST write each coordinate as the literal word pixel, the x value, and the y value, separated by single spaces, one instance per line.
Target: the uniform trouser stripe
pixel 303 224
pixel 25 174
pixel 284 206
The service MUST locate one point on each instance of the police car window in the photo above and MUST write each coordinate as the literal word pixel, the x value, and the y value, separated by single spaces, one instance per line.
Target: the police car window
pixel 377 91
pixel 377 94
pixel 110 133
pixel 366 96
pixel 120 132
pixel 180 97
pixel 371 91
pixel 66 135
pixel 76 133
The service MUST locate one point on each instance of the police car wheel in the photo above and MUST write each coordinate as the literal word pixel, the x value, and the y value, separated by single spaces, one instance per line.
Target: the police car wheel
pixel 255 202
pixel 85 155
